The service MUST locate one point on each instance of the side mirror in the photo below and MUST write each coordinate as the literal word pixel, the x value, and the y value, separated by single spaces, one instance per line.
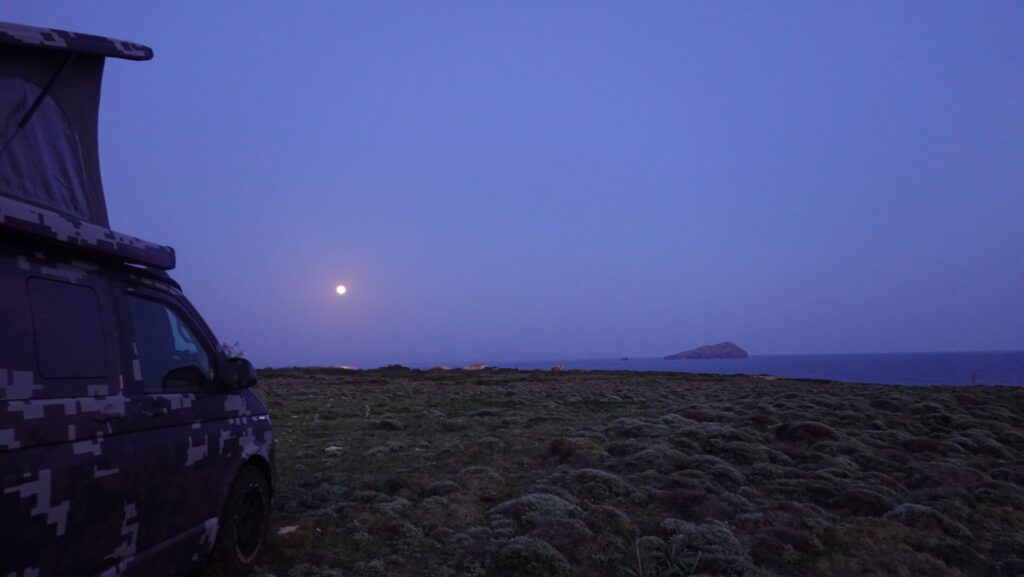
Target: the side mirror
pixel 187 378
pixel 239 374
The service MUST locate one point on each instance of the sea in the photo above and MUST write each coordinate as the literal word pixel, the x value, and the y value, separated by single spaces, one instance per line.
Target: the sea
pixel 960 368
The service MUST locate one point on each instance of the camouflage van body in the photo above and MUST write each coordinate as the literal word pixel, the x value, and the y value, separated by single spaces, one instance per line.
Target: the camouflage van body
pixel 98 477
pixel 106 467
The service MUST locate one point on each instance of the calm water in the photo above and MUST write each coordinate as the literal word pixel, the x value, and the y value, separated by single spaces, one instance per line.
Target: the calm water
pixel 983 368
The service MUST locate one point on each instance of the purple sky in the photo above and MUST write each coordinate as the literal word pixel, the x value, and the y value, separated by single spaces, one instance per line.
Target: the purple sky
pixel 578 180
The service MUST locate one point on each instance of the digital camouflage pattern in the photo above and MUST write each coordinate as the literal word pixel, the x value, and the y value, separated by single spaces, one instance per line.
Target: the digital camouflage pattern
pixel 48 224
pixel 53 39
pixel 98 475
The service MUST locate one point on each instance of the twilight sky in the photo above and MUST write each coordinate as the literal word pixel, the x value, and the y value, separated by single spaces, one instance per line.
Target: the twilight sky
pixel 573 179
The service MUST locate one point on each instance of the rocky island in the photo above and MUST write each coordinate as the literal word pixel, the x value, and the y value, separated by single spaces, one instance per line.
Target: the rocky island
pixel 726 350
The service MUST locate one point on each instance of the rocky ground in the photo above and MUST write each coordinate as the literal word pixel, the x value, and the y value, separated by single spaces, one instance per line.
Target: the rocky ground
pixel 488 473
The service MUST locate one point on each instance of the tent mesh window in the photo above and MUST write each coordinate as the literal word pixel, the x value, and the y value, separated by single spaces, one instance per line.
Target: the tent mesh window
pixel 41 162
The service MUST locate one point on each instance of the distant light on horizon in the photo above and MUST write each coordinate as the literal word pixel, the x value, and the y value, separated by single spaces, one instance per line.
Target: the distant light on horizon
pixel 340 289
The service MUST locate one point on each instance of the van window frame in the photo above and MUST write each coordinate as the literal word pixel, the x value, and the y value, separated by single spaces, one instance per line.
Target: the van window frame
pixel 45 370
pixel 189 317
pixel 49 263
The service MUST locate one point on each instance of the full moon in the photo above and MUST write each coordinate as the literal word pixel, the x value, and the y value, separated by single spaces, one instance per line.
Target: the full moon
pixel 341 289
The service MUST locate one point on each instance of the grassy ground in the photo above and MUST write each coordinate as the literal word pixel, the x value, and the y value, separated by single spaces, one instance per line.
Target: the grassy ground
pixel 608 474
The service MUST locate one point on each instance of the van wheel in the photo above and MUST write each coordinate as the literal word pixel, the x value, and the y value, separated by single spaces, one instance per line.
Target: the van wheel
pixel 244 525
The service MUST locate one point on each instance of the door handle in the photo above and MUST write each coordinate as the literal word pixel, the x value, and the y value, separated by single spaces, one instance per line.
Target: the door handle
pixel 155 412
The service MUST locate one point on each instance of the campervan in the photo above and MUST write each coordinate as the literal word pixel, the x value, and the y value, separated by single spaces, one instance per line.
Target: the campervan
pixel 131 443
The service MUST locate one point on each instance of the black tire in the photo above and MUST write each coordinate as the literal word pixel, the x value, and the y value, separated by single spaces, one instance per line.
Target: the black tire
pixel 244 525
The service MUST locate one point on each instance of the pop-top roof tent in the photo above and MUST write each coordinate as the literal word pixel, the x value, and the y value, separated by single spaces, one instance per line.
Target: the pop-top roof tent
pixel 49 162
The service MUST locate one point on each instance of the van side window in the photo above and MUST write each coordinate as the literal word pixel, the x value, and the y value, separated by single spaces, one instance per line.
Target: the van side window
pixel 69 330
pixel 171 357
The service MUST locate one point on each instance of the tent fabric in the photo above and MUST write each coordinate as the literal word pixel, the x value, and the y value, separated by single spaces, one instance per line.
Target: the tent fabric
pixel 51 158
pixel 50 182
pixel 41 163
pixel 62 40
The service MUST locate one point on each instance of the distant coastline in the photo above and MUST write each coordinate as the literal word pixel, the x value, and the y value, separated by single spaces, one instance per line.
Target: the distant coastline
pixel 939 368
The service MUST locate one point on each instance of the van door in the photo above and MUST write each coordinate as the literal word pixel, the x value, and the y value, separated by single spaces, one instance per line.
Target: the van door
pixel 182 420
pixel 63 506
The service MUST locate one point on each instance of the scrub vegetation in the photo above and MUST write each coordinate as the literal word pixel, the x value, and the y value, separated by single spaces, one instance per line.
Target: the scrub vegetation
pixel 515 473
